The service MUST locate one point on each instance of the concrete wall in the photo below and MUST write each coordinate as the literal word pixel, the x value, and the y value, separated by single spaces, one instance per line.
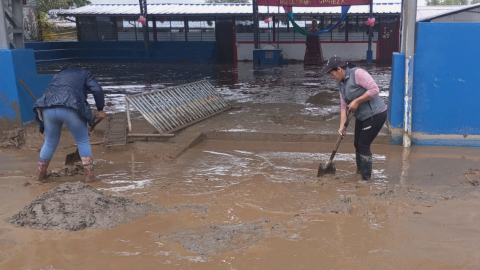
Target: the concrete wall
pixel 445 87
pixel 185 52
pixel 353 51
pixel 15 102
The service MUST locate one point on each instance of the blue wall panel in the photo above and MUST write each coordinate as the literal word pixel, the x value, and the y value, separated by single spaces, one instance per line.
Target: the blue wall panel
pixel 15 102
pixel 184 52
pixel 9 107
pixel 445 86
pixel 446 79
pixel 395 97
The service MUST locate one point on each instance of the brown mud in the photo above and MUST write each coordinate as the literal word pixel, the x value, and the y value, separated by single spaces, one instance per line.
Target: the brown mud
pixel 14 138
pixel 239 190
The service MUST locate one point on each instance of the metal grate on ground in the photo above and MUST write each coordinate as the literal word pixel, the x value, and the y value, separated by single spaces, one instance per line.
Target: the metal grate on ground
pixel 177 107
pixel 116 130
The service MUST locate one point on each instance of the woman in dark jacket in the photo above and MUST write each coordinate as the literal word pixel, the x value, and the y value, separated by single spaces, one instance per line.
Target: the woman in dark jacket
pixel 359 95
pixel 65 102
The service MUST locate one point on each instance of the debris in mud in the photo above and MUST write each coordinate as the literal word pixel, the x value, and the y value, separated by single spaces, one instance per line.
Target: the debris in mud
pixel 322 98
pixel 197 208
pixel 417 213
pixel 338 206
pixel 472 176
pixel 77 206
pixel 66 171
pixel 419 196
pixel 212 239
pixel 13 138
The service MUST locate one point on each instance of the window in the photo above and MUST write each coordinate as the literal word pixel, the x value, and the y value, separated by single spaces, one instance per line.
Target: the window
pixel 338 34
pixel 244 28
pixel 106 28
pixel 201 29
pixel 127 29
pixel 87 29
pixel 356 32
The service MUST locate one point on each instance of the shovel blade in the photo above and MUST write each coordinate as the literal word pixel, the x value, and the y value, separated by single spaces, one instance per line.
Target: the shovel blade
pixel 70 159
pixel 326 168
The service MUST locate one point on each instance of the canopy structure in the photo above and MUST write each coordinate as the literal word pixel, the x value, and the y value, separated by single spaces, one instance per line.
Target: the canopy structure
pixel 312 3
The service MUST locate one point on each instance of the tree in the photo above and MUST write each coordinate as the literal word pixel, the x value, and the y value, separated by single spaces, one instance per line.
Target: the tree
pixel 447 2
pixel 46 27
pixel 46 5
pixel 475 2
pixel 226 1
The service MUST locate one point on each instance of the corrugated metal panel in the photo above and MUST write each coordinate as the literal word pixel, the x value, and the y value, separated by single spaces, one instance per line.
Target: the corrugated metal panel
pixel 220 9
pixel 427 12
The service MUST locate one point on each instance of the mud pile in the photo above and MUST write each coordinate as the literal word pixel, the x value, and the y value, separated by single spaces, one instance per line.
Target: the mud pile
pixel 76 206
pixel 13 138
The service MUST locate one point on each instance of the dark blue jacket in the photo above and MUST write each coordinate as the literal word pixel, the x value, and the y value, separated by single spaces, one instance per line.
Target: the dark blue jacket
pixel 69 89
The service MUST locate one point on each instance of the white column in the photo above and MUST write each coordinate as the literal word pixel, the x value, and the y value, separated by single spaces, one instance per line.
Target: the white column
pixel 409 11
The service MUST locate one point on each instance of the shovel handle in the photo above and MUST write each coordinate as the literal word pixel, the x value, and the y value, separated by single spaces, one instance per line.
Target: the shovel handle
pixel 95 123
pixel 26 88
pixel 340 137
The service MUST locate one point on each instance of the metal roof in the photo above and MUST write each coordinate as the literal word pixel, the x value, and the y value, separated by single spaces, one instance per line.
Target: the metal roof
pixel 219 9
pixel 428 13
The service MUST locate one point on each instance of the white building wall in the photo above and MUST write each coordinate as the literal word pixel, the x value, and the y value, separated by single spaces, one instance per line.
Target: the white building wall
pixel 296 51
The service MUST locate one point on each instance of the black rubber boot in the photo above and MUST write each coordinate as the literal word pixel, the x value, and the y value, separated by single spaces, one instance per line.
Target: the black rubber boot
pixel 357 158
pixel 366 167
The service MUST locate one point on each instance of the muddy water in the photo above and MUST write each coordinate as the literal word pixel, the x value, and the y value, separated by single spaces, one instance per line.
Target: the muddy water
pixel 257 205
pixel 240 82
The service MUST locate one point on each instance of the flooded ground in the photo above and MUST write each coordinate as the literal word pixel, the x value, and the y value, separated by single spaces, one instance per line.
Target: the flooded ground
pixel 246 195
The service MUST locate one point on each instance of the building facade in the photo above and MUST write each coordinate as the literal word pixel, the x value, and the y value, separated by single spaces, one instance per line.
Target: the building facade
pixel 231 27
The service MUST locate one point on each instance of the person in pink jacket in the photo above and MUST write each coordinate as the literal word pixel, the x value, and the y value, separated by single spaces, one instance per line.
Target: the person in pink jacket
pixel 359 95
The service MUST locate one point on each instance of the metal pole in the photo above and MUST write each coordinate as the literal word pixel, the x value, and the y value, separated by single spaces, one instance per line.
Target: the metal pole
pixel 278 27
pixel 409 25
pixel 370 33
pixel 268 16
pixel 4 44
pixel 143 11
pixel 255 24
pixel 129 123
pixel 17 12
pixel 402 29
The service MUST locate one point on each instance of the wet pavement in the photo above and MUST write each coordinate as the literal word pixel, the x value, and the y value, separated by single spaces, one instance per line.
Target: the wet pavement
pixel 247 195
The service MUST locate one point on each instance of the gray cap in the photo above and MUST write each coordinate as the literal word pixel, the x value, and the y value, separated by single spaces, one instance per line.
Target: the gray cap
pixel 334 62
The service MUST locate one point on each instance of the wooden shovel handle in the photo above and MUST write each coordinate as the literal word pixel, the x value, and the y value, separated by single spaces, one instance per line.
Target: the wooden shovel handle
pixel 340 137
pixel 95 123
pixel 26 88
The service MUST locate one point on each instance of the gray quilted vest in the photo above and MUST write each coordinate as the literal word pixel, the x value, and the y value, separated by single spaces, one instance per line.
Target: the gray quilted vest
pixel 350 91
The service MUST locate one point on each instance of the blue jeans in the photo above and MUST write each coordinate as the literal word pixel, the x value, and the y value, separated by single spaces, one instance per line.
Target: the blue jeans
pixel 53 119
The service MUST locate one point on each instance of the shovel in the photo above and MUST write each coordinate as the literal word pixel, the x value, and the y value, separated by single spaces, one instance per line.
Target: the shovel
pixel 70 159
pixel 330 167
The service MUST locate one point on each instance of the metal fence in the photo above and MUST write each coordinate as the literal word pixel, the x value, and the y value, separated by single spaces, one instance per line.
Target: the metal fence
pixel 116 130
pixel 177 107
